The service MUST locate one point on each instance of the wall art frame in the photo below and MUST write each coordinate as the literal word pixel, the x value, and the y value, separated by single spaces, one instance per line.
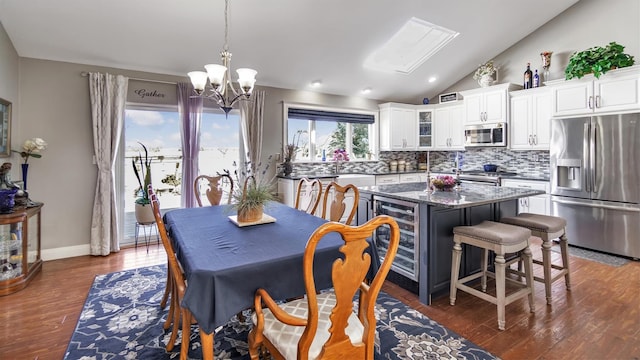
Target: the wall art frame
pixel 5 128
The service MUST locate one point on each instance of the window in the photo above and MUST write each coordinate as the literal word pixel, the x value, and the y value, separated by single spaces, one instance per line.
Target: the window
pixel 158 128
pixel 318 132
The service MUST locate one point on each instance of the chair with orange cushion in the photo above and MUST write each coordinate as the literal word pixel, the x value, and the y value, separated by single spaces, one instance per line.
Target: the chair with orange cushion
pixel 217 189
pixel 343 198
pixel 325 325
pixel 308 195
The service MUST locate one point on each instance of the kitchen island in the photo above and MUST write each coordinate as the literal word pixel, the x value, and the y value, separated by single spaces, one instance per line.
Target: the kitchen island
pixel 426 220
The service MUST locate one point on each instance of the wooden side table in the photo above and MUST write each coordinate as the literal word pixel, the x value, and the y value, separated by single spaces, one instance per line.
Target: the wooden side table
pixel 20 258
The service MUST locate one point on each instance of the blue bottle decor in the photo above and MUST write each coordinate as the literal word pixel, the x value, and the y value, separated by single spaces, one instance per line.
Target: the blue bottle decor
pixel 25 170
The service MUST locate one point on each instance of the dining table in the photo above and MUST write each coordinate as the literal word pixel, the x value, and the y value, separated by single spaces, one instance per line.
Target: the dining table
pixel 224 263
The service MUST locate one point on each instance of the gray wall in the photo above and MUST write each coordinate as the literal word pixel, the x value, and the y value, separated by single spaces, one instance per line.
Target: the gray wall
pixel 586 24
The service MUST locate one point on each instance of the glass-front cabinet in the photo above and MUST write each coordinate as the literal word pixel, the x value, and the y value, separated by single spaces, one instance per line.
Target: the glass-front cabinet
pixel 425 129
pixel 20 257
pixel 407 216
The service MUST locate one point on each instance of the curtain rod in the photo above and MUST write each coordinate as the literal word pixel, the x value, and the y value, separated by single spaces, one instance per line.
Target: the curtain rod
pixel 86 73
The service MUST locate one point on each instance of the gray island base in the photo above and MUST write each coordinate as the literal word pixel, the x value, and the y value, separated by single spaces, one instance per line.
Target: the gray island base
pixel 426 220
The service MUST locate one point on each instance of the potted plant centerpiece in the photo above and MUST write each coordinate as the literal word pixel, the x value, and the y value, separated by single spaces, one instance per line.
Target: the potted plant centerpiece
pixel 254 190
pixel 142 170
pixel 597 60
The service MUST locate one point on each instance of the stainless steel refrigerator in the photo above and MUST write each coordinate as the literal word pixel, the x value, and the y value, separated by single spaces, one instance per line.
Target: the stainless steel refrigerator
pixel 595 181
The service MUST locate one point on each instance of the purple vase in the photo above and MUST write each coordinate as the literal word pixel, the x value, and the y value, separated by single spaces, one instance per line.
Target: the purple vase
pixel 25 169
pixel 7 200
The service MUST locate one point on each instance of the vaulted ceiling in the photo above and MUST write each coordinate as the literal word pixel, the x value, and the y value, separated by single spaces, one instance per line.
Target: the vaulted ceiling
pixel 289 42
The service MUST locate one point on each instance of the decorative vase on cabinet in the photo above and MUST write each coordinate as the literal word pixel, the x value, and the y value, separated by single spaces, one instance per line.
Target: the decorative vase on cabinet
pixel 486 80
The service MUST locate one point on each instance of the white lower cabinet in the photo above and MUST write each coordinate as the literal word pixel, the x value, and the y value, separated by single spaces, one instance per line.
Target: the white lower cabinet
pixel 409 178
pixel 538 204
pixel 387 179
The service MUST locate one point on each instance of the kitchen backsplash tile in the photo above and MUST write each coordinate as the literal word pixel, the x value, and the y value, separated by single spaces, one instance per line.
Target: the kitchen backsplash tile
pixel 525 163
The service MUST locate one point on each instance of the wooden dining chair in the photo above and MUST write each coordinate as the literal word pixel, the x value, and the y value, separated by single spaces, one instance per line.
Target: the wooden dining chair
pixel 215 188
pixel 324 325
pixel 167 289
pixel 310 199
pixel 178 288
pixel 341 198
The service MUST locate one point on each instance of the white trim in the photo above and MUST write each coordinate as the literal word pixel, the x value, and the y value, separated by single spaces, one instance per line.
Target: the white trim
pixel 65 252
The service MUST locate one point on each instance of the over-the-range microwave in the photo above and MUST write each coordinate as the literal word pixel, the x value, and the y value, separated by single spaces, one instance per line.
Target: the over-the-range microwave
pixel 494 134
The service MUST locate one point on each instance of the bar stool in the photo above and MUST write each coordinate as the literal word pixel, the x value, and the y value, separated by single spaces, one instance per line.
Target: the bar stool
pixel 501 239
pixel 546 228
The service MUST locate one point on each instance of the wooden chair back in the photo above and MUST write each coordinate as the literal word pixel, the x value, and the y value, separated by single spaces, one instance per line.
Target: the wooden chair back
pixel 312 195
pixel 343 196
pixel 178 285
pixel 220 188
pixel 174 266
pixel 349 274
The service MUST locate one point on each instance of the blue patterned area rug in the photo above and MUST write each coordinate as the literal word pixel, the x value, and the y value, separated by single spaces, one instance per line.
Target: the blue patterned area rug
pixel 122 319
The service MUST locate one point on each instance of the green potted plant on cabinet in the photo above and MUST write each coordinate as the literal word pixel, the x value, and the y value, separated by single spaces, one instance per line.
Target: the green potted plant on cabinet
pixel 597 60
pixel 142 170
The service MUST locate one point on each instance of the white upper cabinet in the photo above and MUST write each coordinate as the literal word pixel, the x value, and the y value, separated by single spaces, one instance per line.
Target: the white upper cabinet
pixel 530 123
pixel 487 105
pixel 617 90
pixel 398 127
pixel 449 128
pixel 425 127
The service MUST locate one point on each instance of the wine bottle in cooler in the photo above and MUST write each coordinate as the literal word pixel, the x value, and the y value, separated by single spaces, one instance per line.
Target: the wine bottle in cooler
pixel 528 77
pixel 536 79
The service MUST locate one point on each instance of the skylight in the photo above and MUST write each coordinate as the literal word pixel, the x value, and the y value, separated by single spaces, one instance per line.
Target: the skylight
pixel 412 45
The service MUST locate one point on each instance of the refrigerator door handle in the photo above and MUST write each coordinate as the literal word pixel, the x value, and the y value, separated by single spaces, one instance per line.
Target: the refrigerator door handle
pixel 600 206
pixel 592 157
pixel 585 158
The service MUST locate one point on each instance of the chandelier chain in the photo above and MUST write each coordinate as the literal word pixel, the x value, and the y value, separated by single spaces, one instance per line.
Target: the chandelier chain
pixel 226 25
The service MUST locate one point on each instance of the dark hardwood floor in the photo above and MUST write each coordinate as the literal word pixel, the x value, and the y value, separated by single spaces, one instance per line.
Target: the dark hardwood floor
pixel 598 319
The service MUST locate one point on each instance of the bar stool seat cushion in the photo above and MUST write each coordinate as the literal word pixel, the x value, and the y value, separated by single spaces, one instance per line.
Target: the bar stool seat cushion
pixel 536 222
pixel 495 232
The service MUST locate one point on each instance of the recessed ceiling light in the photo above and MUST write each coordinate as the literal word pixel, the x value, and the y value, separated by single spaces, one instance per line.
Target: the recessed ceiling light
pixel 432 79
pixel 411 46
pixel 316 83
pixel 366 90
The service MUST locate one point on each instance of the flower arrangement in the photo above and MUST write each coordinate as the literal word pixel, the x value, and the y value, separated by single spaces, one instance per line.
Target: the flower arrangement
pixel 443 182
pixel 485 69
pixel 142 166
pixel 340 155
pixel 32 148
pixel 291 149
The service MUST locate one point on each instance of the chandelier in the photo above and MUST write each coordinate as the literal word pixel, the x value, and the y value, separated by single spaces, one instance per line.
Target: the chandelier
pixel 221 88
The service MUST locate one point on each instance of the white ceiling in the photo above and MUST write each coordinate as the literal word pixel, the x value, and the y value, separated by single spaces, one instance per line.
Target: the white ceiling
pixel 289 42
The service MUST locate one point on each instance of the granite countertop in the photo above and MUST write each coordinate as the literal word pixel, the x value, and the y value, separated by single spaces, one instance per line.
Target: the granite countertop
pixel 468 195
pixel 320 175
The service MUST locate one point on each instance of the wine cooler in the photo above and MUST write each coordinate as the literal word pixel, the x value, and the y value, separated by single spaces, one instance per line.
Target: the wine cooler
pixel 407 216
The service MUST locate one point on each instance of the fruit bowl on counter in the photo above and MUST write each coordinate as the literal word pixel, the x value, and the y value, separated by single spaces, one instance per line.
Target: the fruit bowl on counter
pixel 443 182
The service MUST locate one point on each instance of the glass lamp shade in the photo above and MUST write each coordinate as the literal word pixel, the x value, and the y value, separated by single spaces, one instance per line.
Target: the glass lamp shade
pixel 199 80
pixel 216 75
pixel 246 79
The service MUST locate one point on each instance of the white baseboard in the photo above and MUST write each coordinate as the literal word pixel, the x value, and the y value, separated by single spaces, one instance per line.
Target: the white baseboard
pixel 65 252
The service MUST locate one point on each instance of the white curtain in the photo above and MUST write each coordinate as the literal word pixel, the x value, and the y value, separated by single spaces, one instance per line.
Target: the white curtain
pixel 251 114
pixel 108 94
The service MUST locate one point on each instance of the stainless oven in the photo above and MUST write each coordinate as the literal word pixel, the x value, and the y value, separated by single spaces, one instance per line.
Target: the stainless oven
pixel 485 135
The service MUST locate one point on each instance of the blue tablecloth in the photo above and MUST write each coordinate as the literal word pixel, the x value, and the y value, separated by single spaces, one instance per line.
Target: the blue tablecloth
pixel 225 264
